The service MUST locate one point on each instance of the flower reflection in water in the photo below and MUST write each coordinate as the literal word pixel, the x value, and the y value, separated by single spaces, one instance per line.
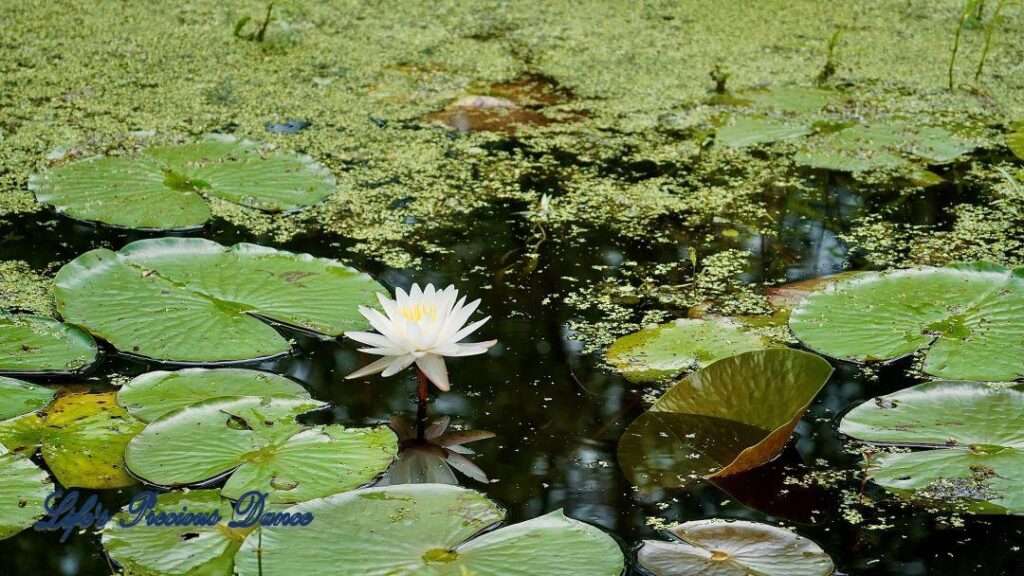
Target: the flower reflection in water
pixel 428 454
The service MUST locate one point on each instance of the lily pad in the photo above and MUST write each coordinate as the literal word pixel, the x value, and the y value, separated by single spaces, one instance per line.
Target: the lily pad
pixel 427 530
pixel 667 350
pixel 258 442
pixel 745 131
pixel 196 550
pixel 968 320
pixel 18 397
pixel 34 344
pixel 189 300
pixel 1015 139
pixel 972 445
pixel 154 394
pixel 733 548
pixel 164 188
pixel 23 489
pixel 882 146
pixel 791 99
pixel 84 438
pixel 733 415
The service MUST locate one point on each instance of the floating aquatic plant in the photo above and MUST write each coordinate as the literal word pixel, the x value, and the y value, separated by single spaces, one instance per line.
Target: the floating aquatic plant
pixel 259 444
pixel 422 326
pixel 189 300
pixel 733 548
pixel 18 397
pixel 968 320
pixel 23 489
pixel 733 415
pixel 163 188
pixel 667 350
pixel 34 344
pixel 969 446
pixel 420 529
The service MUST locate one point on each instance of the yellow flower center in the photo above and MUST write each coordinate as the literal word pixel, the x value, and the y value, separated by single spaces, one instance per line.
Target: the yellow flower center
pixel 416 312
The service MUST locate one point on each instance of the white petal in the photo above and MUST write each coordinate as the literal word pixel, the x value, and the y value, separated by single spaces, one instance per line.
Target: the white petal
pixel 385 351
pixel 401 298
pixel 435 370
pixel 460 314
pixel 398 364
pixel 415 293
pixel 381 323
pixel 469 329
pixel 372 368
pixel 473 348
pixel 369 338
pixel 389 306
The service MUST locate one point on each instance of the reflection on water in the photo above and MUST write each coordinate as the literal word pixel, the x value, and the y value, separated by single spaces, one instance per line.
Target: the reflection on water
pixel 557 415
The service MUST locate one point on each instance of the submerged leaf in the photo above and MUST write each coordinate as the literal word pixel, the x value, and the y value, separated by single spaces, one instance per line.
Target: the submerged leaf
pixel 968 319
pixel 427 529
pixel 261 445
pixel 733 415
pixel 664 351
pixel 193 300
pixel 162 188
pixel 34 344
pixel 974 457
pixel 733 548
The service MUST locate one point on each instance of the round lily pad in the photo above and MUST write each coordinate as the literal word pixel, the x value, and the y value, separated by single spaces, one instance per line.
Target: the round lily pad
pixel 189 300
pixel 733 548
pixel 154 394
pixel 972 446
pixel 196 550
pixel 882 146
pixel 163 188
pixel 664 351
pixel 745 131
pixel 426 530
pixel 968 320
pixel 84 438
pixel 34 344
pixel 18 397
pixel 23 489
pixel 258 442
pixel 733 415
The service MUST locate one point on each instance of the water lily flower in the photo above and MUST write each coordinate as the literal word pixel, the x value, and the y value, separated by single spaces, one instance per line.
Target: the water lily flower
pixel 420 327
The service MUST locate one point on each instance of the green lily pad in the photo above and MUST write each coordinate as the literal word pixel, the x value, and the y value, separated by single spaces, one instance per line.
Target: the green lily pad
pixel 667 350
pixel 882 146
pixel 733 415
pixel 733 548
pixel 23 489
pixel 426 530
pixel 195 550
pixel 745 131
pixel 34 344
pixel 18 397
pixel 973 447
pixel 163 188
pixel 1015 139
pixel 258 442
pixel 23 433
pixel 791 99
pixel 189 300
pixel 969 320
pixel 154 394
pixel 84 438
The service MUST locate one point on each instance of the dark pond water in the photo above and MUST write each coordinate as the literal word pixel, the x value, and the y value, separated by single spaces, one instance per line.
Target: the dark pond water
pixel 557 414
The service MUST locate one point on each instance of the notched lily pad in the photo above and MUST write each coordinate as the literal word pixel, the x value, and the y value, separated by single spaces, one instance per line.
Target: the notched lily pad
pixel 189 300
pixel 733 415
pixel 83 441
pixel 971 447
pixel 151 395
pixel 258 442
pixel 18 397
pixel 23 489
pixel 427 529
pixel 163 188
pixel 967 319
pixel 733 548
pixel 34 344
pixel 664 351
pixel 196 549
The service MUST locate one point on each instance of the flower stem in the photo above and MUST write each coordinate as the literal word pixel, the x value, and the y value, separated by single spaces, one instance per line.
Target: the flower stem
pixel 422 392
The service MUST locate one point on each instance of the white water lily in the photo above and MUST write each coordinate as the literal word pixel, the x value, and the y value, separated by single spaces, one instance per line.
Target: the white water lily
pixel 422 326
